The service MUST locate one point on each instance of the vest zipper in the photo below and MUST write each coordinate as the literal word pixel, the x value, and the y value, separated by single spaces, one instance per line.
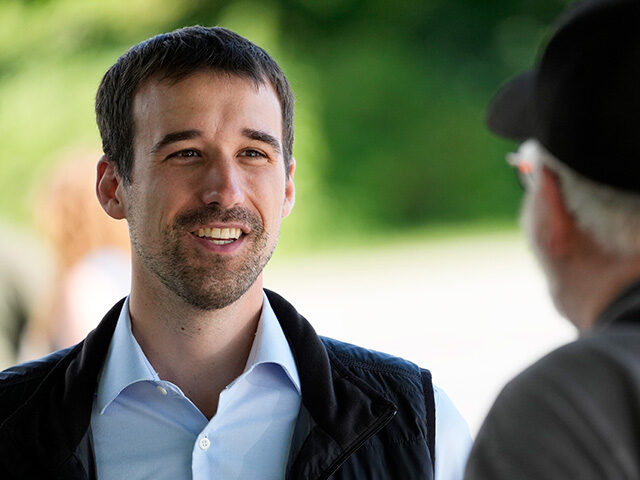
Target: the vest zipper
pixel 382 421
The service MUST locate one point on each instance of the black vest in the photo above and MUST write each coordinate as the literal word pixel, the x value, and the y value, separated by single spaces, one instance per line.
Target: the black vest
pixel 364 414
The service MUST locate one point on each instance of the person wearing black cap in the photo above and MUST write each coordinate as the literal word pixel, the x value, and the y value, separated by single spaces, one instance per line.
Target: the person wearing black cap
pixel 575 414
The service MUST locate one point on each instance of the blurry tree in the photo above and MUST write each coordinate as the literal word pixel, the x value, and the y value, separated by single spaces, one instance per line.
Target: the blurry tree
pixel 390 97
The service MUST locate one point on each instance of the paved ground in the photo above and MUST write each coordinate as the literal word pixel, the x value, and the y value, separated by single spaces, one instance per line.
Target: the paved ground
pixel 474 309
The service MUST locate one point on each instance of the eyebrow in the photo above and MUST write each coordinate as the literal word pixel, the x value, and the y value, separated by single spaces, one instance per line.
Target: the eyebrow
pixel 264 137
pixel 250 133
pixel 174 137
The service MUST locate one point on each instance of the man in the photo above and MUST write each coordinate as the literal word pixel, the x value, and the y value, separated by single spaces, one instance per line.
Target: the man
pixel 575 414
pixel 199 373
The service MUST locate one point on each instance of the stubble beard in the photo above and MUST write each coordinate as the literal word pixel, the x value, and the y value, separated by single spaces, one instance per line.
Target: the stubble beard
pixel 204 280
pixel 527 221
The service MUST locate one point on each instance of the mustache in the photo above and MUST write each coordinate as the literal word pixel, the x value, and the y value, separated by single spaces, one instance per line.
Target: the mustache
pixel 214 213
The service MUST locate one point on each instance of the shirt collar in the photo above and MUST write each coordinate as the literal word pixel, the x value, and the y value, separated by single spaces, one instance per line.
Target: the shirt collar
pixel 126 363
pixel 271 346
pixel 625 308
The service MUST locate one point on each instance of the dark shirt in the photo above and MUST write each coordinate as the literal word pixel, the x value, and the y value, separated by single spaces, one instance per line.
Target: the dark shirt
pixel 574 414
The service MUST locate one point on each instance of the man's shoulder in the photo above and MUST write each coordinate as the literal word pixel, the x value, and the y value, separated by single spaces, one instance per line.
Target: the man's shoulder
pixel 364 358
pixel 396 377
pixel 345 357
pixel 31 370
pixel 577 405
pixel 19 382
pixel 402 382
pixel 609 356
pixel 595 372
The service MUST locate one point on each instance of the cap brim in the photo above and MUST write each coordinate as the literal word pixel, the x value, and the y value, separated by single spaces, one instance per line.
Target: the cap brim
pixel 510 113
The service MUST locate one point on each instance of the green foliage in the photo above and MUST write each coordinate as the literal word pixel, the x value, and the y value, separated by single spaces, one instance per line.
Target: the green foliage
pixel 390 98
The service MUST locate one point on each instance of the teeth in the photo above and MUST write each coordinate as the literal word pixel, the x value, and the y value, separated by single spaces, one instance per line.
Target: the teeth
pixel 226 235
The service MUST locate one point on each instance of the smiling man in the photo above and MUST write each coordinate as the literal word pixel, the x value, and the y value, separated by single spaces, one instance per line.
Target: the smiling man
pixel 199 372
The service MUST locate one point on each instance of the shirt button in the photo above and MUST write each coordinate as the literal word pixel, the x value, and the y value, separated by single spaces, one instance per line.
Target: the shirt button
pixel 204 443
pixel 162 390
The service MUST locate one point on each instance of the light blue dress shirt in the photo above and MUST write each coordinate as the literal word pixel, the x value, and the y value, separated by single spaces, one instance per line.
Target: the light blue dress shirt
pixel 144 427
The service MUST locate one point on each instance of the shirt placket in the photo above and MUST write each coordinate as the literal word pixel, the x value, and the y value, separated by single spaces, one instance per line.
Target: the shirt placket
pixel 204 448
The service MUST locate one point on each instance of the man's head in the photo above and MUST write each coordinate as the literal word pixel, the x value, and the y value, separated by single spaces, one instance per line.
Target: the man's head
pixel 578 228
pixel 174 56
pixel 577 114
pixel 202 175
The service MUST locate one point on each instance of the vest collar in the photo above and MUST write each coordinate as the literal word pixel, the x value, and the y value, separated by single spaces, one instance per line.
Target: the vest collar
pixel 339 412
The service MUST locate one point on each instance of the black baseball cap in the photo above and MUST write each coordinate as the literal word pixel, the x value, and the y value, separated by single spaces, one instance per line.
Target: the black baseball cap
pixel 582 99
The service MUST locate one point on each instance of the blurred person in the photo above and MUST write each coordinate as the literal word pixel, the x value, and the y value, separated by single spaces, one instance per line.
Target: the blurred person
pixel 199 372
pixel 25 273
pixel 575 413
pixel 92 258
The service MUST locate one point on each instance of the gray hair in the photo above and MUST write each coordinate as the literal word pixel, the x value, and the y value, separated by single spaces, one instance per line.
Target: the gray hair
pixel 610 216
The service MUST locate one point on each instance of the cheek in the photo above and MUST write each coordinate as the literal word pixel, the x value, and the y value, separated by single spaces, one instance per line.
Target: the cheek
pixel 271 213
pixel 154 205
pixel 526 217
pixel 268 196
pixel 535 221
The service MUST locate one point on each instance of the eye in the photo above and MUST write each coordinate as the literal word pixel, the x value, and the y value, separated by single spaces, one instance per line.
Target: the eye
pixel 186 154
pixel 251 153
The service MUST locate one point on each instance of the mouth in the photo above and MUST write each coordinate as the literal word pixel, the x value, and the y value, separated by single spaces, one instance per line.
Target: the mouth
pixel 219 236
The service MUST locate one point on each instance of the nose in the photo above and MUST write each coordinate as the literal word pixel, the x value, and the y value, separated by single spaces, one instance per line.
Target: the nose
pixel 223 184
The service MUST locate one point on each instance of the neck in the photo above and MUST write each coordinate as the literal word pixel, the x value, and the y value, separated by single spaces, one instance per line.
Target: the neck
pixel 199 351
pixel 595 286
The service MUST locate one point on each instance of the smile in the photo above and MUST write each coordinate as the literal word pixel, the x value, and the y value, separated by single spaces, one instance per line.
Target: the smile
pixel 219 236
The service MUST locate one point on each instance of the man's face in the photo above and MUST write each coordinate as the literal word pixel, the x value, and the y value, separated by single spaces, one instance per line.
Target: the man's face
pixel 209 188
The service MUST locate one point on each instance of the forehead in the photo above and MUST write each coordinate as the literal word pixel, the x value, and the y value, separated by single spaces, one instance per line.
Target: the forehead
pixel 208 101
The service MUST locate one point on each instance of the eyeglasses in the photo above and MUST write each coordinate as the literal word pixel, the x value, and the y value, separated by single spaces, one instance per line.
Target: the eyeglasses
pixel 525 169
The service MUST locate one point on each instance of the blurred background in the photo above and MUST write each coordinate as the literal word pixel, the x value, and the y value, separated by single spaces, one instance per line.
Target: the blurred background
pixel 404 237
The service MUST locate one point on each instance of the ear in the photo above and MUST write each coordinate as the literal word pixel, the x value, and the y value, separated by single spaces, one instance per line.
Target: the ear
pixel 109 189
pixel 289 190
pixel 561 228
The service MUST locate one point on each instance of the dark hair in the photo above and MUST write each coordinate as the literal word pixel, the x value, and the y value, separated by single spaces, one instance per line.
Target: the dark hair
pixel 174 56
